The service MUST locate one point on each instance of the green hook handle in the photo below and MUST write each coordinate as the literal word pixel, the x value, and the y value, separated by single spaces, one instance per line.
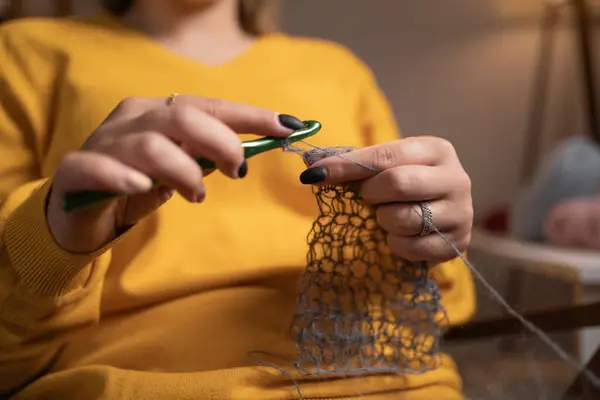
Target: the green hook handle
pixel 82 199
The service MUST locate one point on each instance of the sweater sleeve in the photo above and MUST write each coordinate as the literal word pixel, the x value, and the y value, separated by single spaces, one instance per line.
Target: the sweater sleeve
pixel 43 288
pixel 453 277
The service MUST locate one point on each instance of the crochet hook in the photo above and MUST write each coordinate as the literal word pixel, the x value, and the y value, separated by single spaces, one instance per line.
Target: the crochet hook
pixel 251 148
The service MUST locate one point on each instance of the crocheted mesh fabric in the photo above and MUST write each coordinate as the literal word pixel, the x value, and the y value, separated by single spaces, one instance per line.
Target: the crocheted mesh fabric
pixel 361 309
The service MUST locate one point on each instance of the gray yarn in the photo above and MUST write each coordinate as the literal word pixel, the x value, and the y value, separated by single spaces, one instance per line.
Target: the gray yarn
pixel 361 309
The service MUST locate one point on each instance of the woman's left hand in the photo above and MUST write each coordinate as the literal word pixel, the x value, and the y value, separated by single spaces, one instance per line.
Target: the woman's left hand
pixel 412 170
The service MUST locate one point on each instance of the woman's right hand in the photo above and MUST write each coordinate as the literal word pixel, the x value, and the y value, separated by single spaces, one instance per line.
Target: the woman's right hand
pixel 145 138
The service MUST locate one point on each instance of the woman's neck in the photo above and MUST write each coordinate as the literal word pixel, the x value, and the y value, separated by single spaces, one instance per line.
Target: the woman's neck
pixel 210 33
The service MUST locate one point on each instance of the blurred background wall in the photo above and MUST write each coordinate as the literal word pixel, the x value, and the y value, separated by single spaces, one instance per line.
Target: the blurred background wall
pixel 460 69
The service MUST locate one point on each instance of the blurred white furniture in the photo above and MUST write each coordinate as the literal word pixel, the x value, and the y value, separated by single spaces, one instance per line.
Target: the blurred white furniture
pixel 583 265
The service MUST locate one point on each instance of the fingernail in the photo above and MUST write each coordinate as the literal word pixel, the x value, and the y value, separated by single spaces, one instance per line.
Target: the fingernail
pixel 139 182
pixel 199 197
pixel 290 122
pixel 313 175
pixel 166 195
pixel 243 171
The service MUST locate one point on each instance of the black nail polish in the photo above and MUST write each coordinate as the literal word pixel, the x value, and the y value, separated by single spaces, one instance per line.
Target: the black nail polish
pixel 290 122
pixel 243 171
pixel 313 175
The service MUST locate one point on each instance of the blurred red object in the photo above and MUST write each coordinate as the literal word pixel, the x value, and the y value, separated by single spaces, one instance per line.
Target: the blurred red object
pixel 496 220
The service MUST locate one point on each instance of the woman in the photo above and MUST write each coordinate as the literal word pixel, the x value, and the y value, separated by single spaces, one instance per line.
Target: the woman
pixel 153 295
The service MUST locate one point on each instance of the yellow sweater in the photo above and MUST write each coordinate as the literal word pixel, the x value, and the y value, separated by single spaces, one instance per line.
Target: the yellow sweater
pixel 173 308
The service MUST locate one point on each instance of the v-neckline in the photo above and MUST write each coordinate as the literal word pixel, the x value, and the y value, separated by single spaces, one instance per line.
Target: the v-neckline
pixel 254 49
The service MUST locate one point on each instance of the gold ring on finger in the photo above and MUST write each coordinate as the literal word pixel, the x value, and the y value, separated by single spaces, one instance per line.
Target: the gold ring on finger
pixel 171 99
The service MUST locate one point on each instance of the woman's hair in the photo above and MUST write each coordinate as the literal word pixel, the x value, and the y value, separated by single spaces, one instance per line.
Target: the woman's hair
pixel 256 17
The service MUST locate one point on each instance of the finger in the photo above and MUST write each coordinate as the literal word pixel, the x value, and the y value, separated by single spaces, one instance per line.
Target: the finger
pixel 157 156
pixel 405 219
pixel 431 248
pixel 187 149
pixel 129 108
pixel 242 118
pixel 208 137
pixel 365 163
pixel 201 134
pixel 409 183
pixel 141 205
pixel 84 170
pixel 85 230
pixel 119 120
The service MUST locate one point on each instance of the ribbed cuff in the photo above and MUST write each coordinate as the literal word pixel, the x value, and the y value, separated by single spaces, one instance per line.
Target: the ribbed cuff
pixel 42 266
